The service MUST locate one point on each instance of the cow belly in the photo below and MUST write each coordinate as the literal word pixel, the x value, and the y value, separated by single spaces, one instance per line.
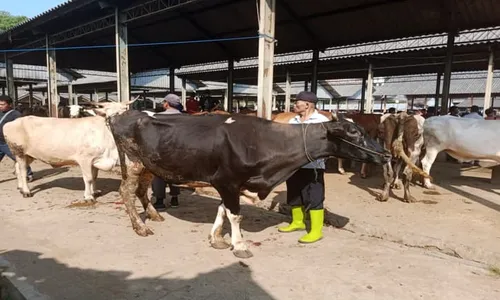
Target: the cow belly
pixel 105 164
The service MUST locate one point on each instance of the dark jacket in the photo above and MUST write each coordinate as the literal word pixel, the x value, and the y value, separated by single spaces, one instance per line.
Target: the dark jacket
pixel 11 117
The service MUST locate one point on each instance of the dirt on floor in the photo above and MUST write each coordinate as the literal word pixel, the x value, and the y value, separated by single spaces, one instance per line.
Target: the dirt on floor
pixel 446 246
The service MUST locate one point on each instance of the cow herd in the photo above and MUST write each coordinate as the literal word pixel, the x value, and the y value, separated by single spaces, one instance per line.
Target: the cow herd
pixel 237 154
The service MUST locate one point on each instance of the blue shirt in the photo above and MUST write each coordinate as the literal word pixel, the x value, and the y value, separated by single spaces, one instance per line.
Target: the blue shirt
pixel 316 117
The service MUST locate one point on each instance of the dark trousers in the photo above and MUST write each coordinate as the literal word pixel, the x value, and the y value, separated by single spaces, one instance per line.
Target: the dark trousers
pixel 4 150
pixel 159 186
pixel 305 189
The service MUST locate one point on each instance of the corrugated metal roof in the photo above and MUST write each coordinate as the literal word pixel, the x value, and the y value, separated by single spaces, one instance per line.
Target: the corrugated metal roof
pixel 461 83
pixel 158 79
pixel 32 73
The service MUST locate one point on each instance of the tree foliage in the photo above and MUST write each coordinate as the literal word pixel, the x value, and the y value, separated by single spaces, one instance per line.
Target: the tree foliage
pixel 8 21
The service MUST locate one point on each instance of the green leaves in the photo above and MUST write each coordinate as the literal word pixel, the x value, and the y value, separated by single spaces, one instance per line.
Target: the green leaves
pixel 8 21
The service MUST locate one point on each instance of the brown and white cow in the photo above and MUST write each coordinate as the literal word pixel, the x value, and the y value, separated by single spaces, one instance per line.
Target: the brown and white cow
pixel 86 142
pixel 403 135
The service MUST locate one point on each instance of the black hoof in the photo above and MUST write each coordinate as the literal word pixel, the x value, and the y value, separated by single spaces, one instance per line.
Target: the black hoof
pixel 243 254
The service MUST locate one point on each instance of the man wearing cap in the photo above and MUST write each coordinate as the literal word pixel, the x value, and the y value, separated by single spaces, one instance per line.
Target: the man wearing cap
pixel 172 105
pixel 306 187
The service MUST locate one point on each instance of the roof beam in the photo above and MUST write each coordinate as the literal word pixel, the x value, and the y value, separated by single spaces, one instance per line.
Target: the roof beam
pixel 207 34
pixel 312 36
pixel 154 7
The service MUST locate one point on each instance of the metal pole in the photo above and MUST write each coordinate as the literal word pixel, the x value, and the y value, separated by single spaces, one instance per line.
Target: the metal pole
pixel 171 77
pixel 230 85
pixel 314 80
pixel 183 92
pixel 52 80
pixel 266 58
pixel 489 81
pixel 70 94
pixel 288 91
pixel 122 69
pixel 30 101
pixel 363 95
pixel 447 73
pixel 438 93
pixel 369 92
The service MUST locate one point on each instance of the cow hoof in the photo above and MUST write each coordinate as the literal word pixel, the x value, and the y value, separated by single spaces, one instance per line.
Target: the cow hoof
pixel 242 254
pixel 397 186
pixel 220 245
pixel 383 197
pixel 363 176
pixel 342 171
pixel 97 193
pixel 144 231
pixel 410 199
pixel 157 218
pixel 82 203
pixel 27 195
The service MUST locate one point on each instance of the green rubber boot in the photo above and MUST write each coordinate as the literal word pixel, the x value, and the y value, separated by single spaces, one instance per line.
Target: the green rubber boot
pixel 316 234
pixel 297 220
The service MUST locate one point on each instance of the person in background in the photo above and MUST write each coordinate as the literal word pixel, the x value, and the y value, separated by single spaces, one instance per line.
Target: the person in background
pixel 8 114
pixel 306 187
pixel 172 106
pixel 491 114
pixel 474 113
pixel 454 111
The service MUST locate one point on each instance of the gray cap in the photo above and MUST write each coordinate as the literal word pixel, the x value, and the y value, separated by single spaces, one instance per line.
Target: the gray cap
pixel 307 96
pixel 172 100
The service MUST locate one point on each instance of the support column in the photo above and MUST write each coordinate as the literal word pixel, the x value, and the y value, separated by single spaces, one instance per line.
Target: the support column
pixel 489 81
pixel 105 97
pixel 369 92
pixel 122 70
pixel 226 99
pixel 183 93
pixel 9 66
pixel 30 100
pixel 266 58
pixel 52 95
pixel 314 79
pixel 171 77
pixel 288 91
pixel 306 85
pixel 16 95
pixel 230 85
pixel 70 95
pixel 96 95
pixel 438 93
pixel 363 95
pixel 3 90
pixel 447 73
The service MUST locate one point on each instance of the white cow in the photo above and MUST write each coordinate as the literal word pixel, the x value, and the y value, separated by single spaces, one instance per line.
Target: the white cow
pixel 86 142
pixel 452 134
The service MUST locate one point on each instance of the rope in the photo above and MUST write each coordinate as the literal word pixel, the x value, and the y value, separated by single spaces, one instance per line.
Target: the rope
pixel 240 38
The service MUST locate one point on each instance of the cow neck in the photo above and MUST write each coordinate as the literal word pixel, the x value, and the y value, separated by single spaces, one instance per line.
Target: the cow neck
pixel 306 143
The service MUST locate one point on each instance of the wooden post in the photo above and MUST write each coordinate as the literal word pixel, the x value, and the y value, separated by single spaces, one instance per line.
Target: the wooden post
pixel 369 91
pixel 489 81
pixel 288 91
pixel 122 69
pixel 70 95
pixel 52 79
pixel 9 78
pixel 438 92
pixel 266 58
pixel 363 95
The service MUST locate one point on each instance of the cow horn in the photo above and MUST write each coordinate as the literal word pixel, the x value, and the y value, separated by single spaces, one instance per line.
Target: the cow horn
pixel 397 147
pixel 130 102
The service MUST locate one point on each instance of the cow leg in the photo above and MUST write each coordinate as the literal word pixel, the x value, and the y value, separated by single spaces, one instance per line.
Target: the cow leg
pixel 363 170
pixel 340 166
pixel 142 193
pixel 95 192
pixel 128 190
pixel 397 184
pixel 230 199
pixel 216 239
pixel 408 174
pixel 21 169
pixel 429 158
pixel 88 180
pixel 388 176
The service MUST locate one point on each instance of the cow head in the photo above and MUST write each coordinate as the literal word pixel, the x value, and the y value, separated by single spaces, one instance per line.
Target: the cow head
pixel 109 109
pixel 75 111
pixel 349 140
